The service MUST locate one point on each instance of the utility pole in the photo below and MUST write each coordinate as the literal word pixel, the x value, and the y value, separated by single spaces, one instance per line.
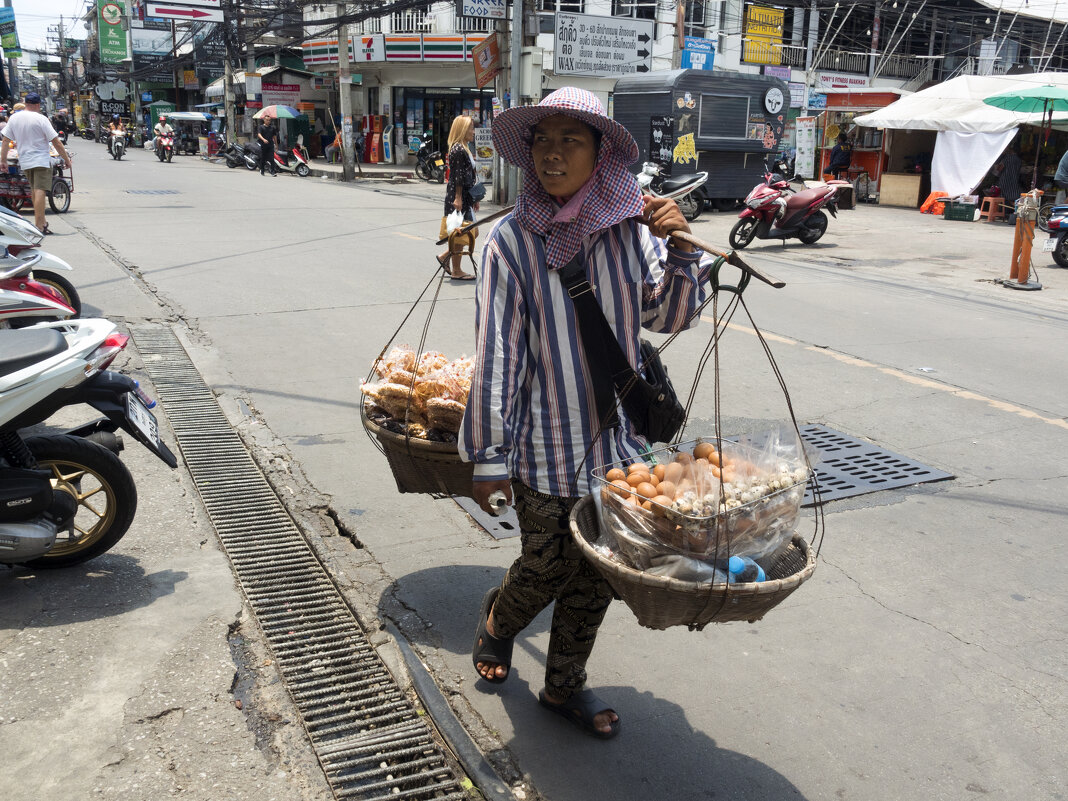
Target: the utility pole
pixel 344 89
pixel 229 101
pixel 515 52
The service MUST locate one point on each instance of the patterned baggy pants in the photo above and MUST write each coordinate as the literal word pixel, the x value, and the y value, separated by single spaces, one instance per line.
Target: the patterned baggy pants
pixel 551 568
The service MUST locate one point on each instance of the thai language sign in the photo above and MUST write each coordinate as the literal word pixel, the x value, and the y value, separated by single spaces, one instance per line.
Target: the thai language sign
pixel 592 45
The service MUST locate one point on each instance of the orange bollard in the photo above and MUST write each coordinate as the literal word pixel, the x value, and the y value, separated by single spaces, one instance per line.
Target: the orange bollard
pixel 1023 240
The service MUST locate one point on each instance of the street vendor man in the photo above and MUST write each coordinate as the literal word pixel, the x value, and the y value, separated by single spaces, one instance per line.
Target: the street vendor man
pixel 531 425
pixel 32 133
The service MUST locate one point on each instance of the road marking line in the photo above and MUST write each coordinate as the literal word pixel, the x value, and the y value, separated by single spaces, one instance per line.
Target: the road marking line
pixel 410 236
pixel 926 383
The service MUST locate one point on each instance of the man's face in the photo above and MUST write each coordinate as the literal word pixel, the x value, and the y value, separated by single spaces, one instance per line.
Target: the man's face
pixel 564 152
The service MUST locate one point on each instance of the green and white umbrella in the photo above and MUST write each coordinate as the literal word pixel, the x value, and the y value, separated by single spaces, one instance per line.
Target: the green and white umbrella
pixel 1046 100
pixel 278 112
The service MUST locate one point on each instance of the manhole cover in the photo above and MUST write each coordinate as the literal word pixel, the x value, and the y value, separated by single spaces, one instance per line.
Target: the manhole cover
pixel 849 466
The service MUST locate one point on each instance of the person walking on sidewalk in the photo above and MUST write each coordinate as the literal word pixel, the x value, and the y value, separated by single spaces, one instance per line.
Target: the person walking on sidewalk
pixel 531 426
pixel 32 133
pixel 267 135
pixel 458 195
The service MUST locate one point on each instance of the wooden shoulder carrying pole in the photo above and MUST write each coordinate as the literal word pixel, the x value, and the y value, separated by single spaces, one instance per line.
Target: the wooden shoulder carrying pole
pixel 731 258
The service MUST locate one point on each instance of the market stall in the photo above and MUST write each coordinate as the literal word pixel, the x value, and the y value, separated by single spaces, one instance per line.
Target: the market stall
pixel 870 156
pixel 948 117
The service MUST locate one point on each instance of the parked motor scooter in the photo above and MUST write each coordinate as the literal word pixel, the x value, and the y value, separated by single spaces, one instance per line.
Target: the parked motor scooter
pixel 24 301
pixel 1057 243
pixel 65 498
pixel 429 164
pixel 237 155
pixel 295 160
pixel 688 190
pixel 774 211
pixel 21 240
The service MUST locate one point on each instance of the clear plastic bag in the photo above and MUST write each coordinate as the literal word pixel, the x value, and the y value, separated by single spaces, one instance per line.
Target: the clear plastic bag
pixel 453 221
pixel 704 502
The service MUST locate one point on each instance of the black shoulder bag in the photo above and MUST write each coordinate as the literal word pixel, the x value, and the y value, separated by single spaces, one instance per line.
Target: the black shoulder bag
pixel 647 397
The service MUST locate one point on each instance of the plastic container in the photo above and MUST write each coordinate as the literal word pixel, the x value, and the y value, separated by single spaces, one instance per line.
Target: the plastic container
pixel 963 212
pixel 751 517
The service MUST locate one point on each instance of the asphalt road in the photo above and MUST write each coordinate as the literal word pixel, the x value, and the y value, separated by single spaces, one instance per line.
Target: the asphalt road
pixel 921 661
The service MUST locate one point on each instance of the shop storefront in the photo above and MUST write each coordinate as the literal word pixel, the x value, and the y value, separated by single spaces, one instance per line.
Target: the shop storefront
pixel 420 110
pixel 871 156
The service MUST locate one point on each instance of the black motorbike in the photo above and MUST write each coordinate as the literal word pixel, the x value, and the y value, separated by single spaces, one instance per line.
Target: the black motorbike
pixel 237 155
pixel 429 164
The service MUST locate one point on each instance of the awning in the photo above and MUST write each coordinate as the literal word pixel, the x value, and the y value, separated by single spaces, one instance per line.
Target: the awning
pixel 1056 10
pixel 207 105
pixel 957 105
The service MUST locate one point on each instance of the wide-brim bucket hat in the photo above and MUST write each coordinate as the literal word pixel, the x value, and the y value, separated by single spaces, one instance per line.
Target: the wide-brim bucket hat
pixel 512 128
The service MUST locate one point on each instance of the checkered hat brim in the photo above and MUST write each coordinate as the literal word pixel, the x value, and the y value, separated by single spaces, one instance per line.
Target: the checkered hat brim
pixel 511 129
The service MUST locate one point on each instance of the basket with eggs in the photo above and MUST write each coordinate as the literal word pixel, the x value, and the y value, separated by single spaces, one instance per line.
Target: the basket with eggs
pixel 664 529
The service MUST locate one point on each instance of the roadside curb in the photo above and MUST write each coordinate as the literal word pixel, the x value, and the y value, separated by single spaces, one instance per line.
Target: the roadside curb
pixel 336 175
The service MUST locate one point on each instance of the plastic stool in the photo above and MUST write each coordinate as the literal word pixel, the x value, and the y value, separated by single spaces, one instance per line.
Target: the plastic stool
pixel 992 209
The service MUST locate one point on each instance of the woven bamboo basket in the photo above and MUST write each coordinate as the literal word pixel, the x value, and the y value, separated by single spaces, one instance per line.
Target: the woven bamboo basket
pixel 420 465
pixel 660 602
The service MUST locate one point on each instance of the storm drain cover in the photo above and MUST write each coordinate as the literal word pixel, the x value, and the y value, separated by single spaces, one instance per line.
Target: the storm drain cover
pixel 849 466
pixel 152 191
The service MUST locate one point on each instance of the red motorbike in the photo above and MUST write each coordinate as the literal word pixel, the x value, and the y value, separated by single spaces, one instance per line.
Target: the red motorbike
pixel 774 211
pixel 165 147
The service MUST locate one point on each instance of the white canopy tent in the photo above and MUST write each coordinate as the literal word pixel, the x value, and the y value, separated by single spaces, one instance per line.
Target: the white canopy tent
pixel 957 105
pixel 971 134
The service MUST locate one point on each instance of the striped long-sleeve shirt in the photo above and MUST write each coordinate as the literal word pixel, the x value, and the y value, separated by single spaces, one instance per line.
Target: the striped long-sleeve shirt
pixel 531 414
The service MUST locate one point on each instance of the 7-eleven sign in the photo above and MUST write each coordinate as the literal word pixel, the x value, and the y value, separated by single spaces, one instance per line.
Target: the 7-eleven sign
pixel 371 47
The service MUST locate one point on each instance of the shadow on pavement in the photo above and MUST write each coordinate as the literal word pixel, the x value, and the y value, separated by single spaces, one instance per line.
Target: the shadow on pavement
pixel 111 584
pixel 657 754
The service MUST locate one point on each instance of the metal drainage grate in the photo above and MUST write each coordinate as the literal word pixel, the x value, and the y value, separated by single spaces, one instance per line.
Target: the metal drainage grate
pixel 370 740
pixel 151 191
pixel 849 466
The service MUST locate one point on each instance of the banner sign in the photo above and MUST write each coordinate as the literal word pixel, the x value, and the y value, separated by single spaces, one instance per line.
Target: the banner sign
pixel 805 165
pixel 109 107
pixel 699 54
pixel 662 140
pixel 597 45
pixel 763 35
pixel 485 9
pixel 484 155
pixel 152 43
pixel 209 53
pixel 109 15
pixel 9 35
pixel 48 66
pixel 280 94
pixel 487 60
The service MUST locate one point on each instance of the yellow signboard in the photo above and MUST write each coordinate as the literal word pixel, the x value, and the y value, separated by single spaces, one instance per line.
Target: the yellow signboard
pixel 763 35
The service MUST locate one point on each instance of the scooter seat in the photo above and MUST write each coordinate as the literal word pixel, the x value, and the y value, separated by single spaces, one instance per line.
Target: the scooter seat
pixel 803 198
pixel 677 182
pixel 21 348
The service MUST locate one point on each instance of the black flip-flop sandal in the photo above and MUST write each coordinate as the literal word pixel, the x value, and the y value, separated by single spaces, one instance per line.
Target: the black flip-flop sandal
pixel 487 648
pixel 581 709
pixel 46 230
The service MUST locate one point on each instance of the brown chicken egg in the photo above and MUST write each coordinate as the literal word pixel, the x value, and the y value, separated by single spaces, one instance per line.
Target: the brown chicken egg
pixel 646 490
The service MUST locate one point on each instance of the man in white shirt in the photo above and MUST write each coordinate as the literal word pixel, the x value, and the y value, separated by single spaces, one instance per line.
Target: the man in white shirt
pixel 161 128
pixel 32 133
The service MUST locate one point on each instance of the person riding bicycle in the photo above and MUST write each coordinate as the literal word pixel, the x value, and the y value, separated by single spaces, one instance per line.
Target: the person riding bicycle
pixel 161 128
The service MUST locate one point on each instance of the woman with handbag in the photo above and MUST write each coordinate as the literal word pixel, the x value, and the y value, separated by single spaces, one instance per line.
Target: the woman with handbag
pixel 532 425
pixel 459 198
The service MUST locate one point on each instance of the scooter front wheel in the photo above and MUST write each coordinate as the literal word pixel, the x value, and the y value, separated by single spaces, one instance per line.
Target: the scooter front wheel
pixel 303 170
pixel 170 155
pixel 742 233
pixel 63 287
pixel 422 171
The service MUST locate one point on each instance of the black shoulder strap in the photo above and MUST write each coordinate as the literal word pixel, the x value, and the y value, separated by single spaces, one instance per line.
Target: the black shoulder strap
pixel 608 365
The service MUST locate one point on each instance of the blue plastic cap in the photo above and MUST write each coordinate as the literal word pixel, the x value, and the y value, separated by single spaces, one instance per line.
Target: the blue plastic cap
pixel 735 564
